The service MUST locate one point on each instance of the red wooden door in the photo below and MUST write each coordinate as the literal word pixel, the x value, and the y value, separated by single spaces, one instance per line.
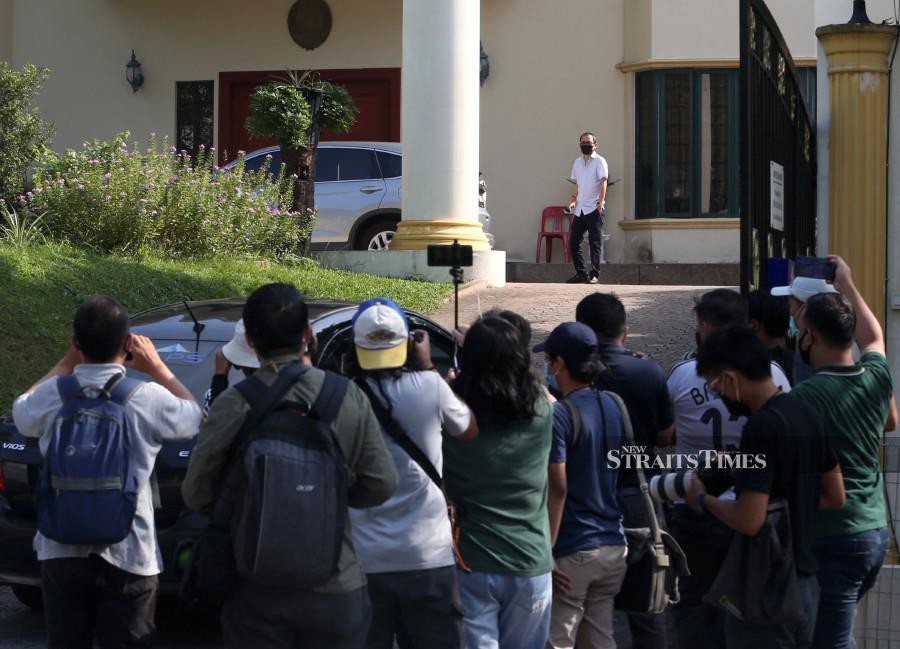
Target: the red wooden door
pixel 375 90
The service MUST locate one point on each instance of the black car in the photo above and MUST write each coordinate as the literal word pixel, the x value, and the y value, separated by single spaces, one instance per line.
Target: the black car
pixel 187 336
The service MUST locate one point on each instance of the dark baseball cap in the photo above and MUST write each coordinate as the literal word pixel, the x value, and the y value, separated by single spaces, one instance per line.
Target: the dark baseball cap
pixel 574 342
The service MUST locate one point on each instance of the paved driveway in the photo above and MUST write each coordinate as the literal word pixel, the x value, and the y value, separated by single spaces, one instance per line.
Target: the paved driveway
pixel 660 318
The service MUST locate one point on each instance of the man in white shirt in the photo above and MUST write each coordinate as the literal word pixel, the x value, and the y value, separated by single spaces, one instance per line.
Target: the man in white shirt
pixel 405 544
pixel 590 173
pixel 108 593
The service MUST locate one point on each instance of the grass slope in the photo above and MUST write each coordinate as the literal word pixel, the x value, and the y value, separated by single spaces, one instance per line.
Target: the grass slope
pixel 41 286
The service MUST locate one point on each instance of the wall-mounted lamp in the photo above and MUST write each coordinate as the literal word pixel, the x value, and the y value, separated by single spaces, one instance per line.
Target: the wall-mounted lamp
pixel 133 73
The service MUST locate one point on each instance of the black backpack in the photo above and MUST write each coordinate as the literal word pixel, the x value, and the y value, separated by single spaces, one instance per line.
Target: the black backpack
pixel 291 480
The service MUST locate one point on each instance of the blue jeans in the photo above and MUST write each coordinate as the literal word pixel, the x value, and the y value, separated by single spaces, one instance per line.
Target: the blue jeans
pixel 505 611
pixel 848 568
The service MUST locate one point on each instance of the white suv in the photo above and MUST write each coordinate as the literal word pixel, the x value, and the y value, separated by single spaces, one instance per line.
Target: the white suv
pixel 357 193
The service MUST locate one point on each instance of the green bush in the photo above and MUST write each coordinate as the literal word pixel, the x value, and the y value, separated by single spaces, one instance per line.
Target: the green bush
pixel 108 197
pixel 24 136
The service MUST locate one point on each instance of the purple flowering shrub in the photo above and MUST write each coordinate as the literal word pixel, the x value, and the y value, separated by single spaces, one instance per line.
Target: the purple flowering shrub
pixel 112 197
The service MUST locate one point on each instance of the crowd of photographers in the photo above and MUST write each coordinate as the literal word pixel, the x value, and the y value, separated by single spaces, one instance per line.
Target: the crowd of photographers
pixel 389 505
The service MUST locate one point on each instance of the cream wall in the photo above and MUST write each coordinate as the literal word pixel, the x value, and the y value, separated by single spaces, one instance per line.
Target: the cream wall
pixel 88 43
pixel 553 76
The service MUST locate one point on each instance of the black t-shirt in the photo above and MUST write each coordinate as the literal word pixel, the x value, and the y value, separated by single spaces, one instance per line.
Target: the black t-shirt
pixel 642 385
pixel 797 453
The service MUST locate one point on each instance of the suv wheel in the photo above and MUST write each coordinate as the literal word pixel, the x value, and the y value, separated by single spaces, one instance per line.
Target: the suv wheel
pixel 377 235
pixel 30 596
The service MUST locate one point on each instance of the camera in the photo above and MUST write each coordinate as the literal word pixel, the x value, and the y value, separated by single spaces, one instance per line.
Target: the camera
pixel 673 486
pixel 453 255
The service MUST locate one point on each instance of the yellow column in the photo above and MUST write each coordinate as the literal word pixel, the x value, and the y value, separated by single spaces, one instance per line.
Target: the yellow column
pixel 857 194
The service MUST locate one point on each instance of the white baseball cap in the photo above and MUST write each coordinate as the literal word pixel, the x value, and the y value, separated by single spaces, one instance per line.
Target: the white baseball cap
pixel 380 334
pixel 803 288
pixel 237 351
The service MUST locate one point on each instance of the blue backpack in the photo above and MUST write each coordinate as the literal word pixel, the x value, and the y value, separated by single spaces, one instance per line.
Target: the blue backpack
pixel 88 493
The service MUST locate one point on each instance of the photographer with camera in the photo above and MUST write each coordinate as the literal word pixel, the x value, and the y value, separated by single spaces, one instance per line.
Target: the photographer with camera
pixel 703 423
pixel 405 545
pixel 784 455
pixel 585 520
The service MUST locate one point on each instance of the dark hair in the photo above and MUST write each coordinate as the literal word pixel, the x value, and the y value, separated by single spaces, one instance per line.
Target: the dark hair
pixel 772 312
pixel 604 313
pixel 587 372
pixel 734 347
pixel 275 317
pixel 588 133
pixel 833 318
pixel 100 327
pixel 495 378
pixel 515 320
pixel 721 307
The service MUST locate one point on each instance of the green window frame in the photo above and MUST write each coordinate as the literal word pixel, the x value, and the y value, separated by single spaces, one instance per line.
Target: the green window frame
pixel 670 147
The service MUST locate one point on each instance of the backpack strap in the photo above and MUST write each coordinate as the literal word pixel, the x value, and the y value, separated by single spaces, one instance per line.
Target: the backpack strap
pixel 576 419
pixel 331 396
pixel 121 388
pixel 262 398
pixel 401 437
pixel 69 388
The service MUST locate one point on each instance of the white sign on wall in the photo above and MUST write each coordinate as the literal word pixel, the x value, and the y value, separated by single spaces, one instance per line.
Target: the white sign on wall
pixel 776 196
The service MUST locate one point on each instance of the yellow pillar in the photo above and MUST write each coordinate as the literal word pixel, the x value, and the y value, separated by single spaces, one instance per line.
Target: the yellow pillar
pixel 857 194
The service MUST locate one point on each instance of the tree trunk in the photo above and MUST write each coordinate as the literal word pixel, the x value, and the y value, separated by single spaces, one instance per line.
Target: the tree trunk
pixel 301 163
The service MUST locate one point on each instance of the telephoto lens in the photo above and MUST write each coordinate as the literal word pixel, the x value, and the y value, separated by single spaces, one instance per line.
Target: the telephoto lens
pixel 671 486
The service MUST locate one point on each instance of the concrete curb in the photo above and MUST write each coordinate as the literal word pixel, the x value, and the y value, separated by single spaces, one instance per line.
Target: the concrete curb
pixel 466 290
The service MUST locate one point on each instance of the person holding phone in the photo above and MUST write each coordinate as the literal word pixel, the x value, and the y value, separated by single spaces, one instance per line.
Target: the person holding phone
pixel 590 173
pixel 236 354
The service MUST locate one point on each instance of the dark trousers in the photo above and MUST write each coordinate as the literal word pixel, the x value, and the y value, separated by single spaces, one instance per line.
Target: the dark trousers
pixel 777 636
pixel 89 599
pixel 420 608
pixel 647 631
pixel 705 542
pixel 279 618
pixel 592 224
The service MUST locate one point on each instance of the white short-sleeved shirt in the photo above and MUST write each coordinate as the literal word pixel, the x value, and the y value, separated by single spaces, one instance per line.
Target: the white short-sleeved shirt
pixel 411 530
pixel 702 422
pixel 588 174
pixel 154 415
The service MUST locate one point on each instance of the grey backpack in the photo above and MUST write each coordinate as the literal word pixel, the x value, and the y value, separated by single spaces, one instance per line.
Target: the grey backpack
pixel 287 522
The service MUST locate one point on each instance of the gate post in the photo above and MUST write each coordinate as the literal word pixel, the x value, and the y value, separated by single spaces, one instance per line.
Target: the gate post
pixel 857 192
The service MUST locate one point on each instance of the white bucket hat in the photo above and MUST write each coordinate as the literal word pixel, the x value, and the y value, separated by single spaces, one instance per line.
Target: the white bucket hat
pixel 237 351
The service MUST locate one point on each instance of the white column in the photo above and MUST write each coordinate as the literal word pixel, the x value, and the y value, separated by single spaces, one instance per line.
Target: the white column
pixel 440 122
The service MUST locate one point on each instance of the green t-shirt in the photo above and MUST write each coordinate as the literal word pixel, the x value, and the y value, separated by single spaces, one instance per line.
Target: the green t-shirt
pixel 499 484
pixel 853 400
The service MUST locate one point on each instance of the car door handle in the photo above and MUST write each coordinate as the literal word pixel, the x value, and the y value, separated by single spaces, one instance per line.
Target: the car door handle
pixel 370 189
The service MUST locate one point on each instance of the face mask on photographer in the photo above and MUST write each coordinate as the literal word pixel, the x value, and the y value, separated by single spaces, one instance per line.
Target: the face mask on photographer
pixel 550 378
pixel 734 406
pixel 587 148
pixel 792 325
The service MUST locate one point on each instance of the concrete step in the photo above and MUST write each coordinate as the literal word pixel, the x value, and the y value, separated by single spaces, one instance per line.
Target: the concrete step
pixel 651 274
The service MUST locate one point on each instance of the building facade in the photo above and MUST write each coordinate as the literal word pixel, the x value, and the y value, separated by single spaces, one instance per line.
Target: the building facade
pixel 655 80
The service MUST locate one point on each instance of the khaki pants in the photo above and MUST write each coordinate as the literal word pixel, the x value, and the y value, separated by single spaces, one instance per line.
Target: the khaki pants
pixel 585 612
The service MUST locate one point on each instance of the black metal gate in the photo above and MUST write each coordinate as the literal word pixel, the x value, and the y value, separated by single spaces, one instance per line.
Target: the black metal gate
pixel 778 151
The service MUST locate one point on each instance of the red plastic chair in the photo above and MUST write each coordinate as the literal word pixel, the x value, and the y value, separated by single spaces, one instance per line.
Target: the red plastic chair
pixel 555 224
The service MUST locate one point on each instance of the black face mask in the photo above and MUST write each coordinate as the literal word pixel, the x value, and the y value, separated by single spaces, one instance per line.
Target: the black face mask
pixel 698 340
pixel 735 408
pixel 805 354
pixel 587 149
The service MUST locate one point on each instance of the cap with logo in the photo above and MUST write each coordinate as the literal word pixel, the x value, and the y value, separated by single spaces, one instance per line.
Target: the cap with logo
pixel 803 288
pixel 574 342
pixel 380 334
pixel 237 351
